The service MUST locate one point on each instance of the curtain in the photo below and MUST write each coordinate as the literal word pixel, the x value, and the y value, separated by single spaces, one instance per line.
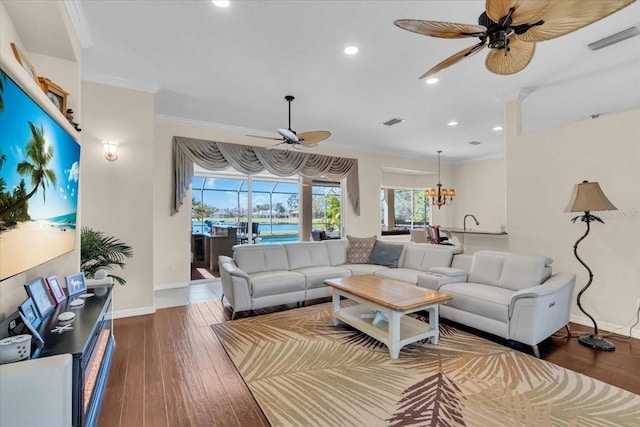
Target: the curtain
pixel 212 155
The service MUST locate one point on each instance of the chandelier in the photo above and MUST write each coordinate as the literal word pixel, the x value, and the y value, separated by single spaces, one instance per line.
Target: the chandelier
pixel 438 197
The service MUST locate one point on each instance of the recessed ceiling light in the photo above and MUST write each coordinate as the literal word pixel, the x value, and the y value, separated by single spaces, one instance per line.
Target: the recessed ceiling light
pixel 221 3
pixel 452 123
pixel 351 50
pixel 432 81
pixel 497 128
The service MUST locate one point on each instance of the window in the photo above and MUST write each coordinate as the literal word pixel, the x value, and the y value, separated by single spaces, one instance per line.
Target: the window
pixel 326 204
pixel 403 208
pixel 223 200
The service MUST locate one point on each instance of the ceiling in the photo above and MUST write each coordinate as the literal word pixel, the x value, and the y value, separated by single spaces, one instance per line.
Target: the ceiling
pixel 231 68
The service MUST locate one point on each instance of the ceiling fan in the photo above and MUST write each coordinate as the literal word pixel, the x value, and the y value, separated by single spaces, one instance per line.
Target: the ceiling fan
pixel 511 28
pixel 305 140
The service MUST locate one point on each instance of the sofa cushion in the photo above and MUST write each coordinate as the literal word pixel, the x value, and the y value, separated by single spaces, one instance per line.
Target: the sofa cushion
pixel 276 282
pixel 315 276
pixel 359 249
pixel 307 254
pixel 358 269
pixel 422 256
pixel 337 251
pixel 403 274
pixel 486 267
pixel 386 254
pixel 255 258
pixel 477 298
pixel 522 271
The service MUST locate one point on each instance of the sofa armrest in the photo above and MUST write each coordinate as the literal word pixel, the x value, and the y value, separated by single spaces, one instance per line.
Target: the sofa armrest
pixel 236 284
pixel 439 276
pixel 536 313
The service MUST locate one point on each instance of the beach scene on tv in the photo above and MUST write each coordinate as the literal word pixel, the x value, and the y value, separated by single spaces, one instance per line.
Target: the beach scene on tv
pixel 39 171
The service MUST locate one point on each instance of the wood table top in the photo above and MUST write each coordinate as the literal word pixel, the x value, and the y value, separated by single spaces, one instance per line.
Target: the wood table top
pixel 389 293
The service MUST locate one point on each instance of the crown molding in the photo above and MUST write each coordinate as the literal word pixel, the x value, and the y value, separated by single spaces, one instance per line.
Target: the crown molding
pixel 79 22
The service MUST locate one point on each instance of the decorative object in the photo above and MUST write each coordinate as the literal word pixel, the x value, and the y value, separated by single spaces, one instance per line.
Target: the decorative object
pixel 439 197
pixel 110 150
pixel 26 64
pixel 15 348
pixel 69 116
pixel 588 197
pixel 38 291
pixel 101 252
pixel 40 172
pixel 56 289
pixel 336 372
pixel 30 312
pixel 33 330
pixel 360 249
pixel 75 284
pixel 55 93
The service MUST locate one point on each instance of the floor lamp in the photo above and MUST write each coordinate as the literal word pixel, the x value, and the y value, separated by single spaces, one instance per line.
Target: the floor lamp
pixel 587 197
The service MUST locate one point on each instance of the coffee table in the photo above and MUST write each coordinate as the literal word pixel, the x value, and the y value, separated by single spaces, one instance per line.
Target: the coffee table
pixel 393 298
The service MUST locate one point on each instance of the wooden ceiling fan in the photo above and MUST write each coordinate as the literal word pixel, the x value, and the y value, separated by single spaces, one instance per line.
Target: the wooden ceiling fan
pixel 511 28
pixel 304 140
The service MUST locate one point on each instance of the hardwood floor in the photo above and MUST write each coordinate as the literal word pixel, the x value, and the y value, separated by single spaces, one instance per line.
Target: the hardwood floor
pixel 169 369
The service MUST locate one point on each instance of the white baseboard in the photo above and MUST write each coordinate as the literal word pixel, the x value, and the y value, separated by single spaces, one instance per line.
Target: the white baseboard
pixel 119 314
pixel 164 286
pixel 608 327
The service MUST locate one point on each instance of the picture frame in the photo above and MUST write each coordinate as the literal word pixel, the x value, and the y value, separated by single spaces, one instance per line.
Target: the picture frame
pixel 39 292
pixel 76 284
pixel 29 312
pixel 55 93
pixel 24 62
pixel 33 330
pixel 55 289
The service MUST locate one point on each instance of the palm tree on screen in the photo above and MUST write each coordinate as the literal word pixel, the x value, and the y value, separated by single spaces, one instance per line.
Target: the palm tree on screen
pixel 39 154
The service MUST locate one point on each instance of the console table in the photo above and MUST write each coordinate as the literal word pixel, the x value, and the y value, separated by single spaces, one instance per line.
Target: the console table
pixel 91 345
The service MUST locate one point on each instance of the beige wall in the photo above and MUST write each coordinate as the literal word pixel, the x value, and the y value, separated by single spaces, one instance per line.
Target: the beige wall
pixel 542 168
pixel 117 197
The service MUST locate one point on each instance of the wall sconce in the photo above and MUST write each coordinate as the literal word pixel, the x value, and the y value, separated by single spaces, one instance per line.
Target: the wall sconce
pixel 110 150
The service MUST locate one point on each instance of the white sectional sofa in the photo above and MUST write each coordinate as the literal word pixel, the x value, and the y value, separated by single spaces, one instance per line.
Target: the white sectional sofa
pixel 265 275
pixel 515 297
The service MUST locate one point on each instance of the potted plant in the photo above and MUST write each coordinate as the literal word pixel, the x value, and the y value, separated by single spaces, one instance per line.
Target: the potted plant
pixel 101 252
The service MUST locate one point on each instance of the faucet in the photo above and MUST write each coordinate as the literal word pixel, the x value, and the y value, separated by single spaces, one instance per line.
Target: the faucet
pixel 464 222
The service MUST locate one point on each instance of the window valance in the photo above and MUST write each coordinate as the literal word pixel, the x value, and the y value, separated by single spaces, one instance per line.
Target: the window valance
pixel 212 155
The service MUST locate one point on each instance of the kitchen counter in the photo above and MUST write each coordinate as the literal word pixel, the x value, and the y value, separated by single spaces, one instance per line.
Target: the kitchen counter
pixel 483 232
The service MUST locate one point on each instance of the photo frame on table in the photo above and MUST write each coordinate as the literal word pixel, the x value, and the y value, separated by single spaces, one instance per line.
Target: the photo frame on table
pixel 33 330
pixel 39 292
pixel 76 284
pixel 24 61
pixel 55 289
pixel 29 312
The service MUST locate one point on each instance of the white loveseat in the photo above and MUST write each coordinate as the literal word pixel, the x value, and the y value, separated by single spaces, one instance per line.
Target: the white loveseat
pixel 266 275
pixel 515 297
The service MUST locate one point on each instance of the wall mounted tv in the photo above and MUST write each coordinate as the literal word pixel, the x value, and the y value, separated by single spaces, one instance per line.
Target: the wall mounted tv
pixel 39 171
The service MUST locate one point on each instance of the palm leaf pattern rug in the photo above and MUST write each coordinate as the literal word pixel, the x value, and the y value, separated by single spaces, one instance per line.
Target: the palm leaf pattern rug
pixel 303 371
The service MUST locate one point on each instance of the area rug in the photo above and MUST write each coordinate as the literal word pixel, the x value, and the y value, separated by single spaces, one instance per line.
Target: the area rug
pixel 303 371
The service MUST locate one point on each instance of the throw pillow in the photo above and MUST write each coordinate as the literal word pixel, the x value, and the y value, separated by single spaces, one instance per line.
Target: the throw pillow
pixel 359 249
pixel 386 254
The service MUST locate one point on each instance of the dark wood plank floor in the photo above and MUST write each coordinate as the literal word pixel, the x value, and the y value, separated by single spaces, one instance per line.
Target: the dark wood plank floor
pixel 169 369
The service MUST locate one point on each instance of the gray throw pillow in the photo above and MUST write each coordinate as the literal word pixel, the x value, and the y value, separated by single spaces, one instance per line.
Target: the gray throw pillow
pixel 386 254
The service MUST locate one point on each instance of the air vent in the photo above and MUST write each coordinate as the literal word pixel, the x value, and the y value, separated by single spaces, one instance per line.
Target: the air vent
pixel 393 122
pixel 614 38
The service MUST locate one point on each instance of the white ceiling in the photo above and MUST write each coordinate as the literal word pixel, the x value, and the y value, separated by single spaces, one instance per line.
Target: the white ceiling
pixel 234 66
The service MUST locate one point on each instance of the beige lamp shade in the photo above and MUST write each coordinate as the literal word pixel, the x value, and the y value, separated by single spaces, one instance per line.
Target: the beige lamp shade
pixel 588 196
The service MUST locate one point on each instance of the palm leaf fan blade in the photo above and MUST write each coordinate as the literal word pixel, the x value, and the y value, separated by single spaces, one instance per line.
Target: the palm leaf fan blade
pixel 525 11
pixel 310 139
pixel 446 30
pixel 455 58
pixel 518 57
pixel 565 16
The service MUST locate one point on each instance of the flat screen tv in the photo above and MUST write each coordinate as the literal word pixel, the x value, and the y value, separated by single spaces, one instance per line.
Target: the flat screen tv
pixel 39 171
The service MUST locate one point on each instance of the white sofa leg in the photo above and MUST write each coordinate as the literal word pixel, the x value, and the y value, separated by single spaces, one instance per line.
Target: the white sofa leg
pixel 536 351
